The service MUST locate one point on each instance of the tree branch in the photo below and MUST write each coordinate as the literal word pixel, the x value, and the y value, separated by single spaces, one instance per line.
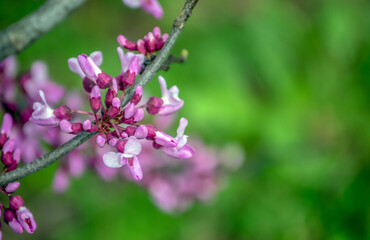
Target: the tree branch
pixel 148 74
pixel 21 34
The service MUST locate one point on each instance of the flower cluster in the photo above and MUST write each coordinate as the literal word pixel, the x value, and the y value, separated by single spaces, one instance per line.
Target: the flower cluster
pixel 117 124
pixel 17 216
pixel 147 46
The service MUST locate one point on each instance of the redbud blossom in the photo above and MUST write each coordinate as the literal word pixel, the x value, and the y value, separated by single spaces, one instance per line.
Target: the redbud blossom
pixel 171 101
pixel 43 115
pixel 182 150
pixel 5 129
pixel 25 218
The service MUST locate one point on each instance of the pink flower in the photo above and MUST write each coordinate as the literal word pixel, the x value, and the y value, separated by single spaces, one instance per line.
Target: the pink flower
pixel 171 101
pixel 182 150
pixel 73 64
pixel 151 6
pixel 25 218
pixel 43 115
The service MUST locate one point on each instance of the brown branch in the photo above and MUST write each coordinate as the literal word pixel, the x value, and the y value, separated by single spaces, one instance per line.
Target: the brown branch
pixel 21 34
pixel 148 74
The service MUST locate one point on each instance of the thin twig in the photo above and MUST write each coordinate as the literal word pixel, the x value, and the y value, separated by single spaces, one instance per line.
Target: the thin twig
pixel 21 34
pixel 148 74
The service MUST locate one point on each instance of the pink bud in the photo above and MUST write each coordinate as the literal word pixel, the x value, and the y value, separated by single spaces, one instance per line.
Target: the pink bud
pixel 161 42
pixel 76 128
pixel 95 99
pixel 16 202
pixel 12 187
pixel 113 141
pixel 150 42
pixel 109 97
pixel 129 110
pixel 154 104
pixel 157 33
pixel 25 218
pixel 88 84
pixel 137 95
pixel 121 145
pixel 63 112
pixel 115 108
pixel 141 132
pixel 86 125
pixel 126 43
pixel 104 80
pixel 11 220
pixel 130 130
pixel 66 126
pixel 139 115
pixel 129 79
pixel 100 140
pixel 141 47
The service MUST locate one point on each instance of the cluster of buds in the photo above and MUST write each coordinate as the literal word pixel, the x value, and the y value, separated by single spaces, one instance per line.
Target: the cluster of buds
pixel 17 216
pixel 117 124
pixel 147 46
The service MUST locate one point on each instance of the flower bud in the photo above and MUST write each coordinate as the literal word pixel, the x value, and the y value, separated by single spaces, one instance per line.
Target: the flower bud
pixel 95 99
pixel 16 202
pixel 104 80
pixel 137 95
pixel 141 47
pixel 126 43
pixel 88 84
pixel 63 112
pixel 11 220
pixel 100 140
pixel 153 105
pixel 150 42
pixel 115 108
pixel 130 130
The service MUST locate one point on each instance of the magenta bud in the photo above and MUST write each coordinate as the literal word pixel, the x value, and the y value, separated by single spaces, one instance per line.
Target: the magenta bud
pixel 141 46
pixel 113 141
pixel 76 128
pixel 16 202
pixel 88 84
pixel 63 112
pixel 161 42
pixel 129 79
pixel 130 130
pixel 100 140
pixel 109 97
pixel 141 132
pixel 129 110
pixel 95 100
pixel 151 132
pixel 12 187
pixel 65 126
pixel 121 146
pixel 115 108
pixel 104 80
pixel 137 95
pixel 124 135
pixel 139 115
pixel 126 43
pixel 86 125
pixel 157 33
pixel 153 105
pixel 150 42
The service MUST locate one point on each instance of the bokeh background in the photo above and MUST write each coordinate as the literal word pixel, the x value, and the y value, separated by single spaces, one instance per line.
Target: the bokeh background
pixel 289 80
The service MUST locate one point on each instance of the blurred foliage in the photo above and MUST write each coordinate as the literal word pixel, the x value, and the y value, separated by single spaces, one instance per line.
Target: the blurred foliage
pixel 287 79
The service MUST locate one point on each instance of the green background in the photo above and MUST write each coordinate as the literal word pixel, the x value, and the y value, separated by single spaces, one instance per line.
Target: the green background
pixel 289 80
